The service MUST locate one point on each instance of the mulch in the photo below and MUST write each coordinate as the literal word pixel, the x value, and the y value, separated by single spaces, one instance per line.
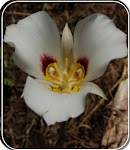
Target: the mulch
pixel 25 129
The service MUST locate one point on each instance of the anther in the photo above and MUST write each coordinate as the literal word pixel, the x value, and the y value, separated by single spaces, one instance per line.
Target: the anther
pixel 80 72
pixel 51 70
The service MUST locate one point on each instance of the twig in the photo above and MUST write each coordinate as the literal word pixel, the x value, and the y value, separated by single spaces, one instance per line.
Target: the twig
pixel 86 126
pixel 63 128
pixel 18 13
pixel 82 142
pixel 30 127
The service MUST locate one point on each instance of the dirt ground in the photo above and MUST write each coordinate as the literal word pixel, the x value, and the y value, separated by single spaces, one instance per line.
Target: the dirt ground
pixel 22 127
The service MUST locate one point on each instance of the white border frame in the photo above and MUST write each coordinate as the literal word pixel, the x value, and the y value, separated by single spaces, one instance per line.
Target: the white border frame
pixel 2 64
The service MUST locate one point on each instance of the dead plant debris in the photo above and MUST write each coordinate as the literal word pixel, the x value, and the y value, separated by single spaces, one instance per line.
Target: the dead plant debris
pixel 24 129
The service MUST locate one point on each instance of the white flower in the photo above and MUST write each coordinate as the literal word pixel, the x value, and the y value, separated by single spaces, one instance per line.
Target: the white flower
pixel 62 71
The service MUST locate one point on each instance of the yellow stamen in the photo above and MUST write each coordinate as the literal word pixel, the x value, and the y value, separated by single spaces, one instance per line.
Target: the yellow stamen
pixel 66 81
pixel 56 65
pixel 54 77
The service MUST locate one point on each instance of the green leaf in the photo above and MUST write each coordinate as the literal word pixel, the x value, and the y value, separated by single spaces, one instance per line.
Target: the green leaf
pixel 8 81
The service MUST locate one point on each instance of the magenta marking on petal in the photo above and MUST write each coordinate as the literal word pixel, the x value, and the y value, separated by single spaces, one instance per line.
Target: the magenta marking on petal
pixel 84 62
pixel 45 61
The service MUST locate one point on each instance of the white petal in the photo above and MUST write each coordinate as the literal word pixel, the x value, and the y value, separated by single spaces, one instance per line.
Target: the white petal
pixel 67 45
pixel 95 89
pixel 52 106
pixel 32 37
pixel 97 38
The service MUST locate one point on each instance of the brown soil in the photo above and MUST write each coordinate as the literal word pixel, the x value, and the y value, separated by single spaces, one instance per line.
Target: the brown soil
pixel 22 127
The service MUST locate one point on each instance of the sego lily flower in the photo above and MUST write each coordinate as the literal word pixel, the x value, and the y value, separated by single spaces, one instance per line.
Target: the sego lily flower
pixel 61 72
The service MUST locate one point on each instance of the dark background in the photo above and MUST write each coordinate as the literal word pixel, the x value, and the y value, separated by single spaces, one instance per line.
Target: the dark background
pixel 22 127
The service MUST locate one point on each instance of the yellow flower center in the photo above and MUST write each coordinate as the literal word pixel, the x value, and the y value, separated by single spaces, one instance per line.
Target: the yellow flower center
pixel 66 81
